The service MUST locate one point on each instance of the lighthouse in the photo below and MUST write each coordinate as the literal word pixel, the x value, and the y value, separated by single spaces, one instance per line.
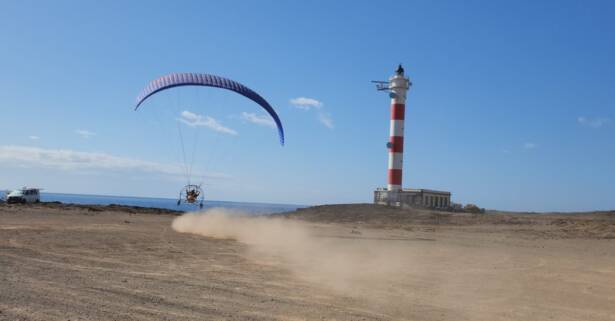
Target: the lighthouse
pixel 394 194
pixel 398 87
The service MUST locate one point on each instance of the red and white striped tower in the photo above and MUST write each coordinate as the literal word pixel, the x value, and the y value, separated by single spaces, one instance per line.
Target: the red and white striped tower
pixel 398 86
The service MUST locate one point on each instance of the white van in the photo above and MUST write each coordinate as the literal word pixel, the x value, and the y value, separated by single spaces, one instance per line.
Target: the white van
pixel 24 195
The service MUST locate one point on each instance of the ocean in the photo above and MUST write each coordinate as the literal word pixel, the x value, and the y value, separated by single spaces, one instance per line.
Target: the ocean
pixel 166 203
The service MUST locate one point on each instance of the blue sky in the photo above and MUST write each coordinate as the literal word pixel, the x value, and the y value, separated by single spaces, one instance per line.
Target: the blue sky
pixel 513 103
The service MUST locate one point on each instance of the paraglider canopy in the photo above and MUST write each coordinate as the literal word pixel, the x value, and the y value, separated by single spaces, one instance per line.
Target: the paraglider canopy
pixel 195 79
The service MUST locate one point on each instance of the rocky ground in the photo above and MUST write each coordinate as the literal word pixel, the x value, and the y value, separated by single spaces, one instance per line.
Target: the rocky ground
pixel 341 262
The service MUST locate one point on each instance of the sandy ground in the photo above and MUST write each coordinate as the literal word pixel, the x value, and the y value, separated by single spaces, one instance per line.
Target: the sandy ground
pixel 357 262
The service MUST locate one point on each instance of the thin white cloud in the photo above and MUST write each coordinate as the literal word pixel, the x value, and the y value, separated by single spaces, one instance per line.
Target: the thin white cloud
pixel 70 160
pixel 84 133
pixel 263 120
pixel 595 122
pixel 196 120
pixel 306 103
pixel 34 137
pixel 529 145
pixel 66 159
pixel 325 119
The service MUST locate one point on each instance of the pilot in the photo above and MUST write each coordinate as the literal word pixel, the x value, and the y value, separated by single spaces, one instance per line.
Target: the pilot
pixel 192 195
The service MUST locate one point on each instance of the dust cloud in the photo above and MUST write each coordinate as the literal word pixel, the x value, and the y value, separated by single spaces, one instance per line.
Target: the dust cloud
pixel 336 259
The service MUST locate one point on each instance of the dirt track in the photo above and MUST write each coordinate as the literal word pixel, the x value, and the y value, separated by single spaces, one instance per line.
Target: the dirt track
pixel 80 263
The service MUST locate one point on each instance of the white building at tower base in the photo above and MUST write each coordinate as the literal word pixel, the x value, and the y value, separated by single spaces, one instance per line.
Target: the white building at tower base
pixel 413 198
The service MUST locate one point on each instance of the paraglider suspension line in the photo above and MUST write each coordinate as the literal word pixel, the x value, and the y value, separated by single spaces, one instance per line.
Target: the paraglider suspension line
pixel 181 139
